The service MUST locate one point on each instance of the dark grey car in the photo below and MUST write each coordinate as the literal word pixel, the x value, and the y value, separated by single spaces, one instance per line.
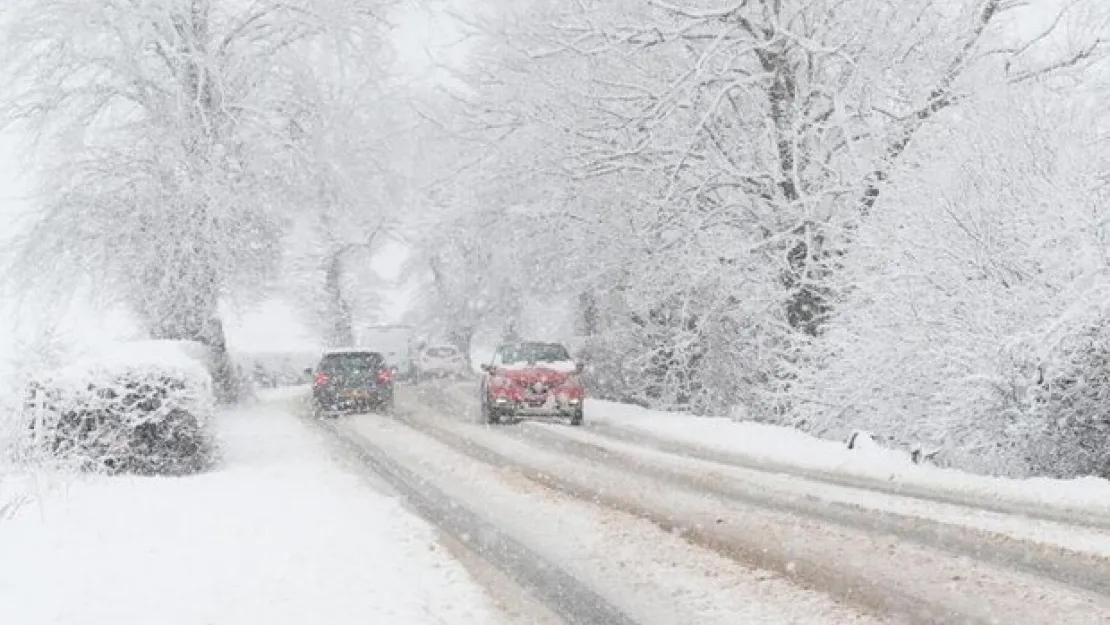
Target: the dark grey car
pixel 352 381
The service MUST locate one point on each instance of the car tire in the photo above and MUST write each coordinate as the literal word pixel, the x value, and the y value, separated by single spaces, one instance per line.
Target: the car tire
pixel 576 417
pixel 489 415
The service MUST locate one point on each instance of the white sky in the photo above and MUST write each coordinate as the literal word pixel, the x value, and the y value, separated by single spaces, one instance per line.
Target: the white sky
pixel 427 40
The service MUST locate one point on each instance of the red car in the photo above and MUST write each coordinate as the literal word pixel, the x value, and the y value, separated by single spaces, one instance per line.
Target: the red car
pixel 532 379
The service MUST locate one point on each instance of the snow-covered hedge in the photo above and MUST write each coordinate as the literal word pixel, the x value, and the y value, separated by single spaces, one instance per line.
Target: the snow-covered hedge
pixel 141 409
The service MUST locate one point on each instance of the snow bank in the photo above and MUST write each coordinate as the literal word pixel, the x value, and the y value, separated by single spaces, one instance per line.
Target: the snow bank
pixel 275 535
pixel 770 444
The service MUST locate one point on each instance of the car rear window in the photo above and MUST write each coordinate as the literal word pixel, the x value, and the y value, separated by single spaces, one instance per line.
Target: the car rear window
pixel 357 361
pixel 442 352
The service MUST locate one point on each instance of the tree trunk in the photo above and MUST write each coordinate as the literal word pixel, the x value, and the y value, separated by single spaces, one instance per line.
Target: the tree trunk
pixel 341 331
pixel 225 376
pixel 587 314
pixel 182 304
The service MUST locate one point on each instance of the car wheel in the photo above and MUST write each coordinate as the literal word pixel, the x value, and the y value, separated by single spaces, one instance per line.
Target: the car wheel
pixel 489 415
pixel 576 417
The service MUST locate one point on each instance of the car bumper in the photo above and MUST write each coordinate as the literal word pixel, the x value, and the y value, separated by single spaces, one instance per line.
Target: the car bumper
pixel 353 399
pixel 552 406
pixel 441 371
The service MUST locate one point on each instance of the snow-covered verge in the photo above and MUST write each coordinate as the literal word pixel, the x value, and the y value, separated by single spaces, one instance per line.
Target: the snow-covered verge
pixel 781 445
pixel 275 534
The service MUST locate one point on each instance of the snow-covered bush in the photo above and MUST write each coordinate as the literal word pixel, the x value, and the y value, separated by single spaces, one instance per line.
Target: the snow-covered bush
pixel 142 409
pixel 1070 405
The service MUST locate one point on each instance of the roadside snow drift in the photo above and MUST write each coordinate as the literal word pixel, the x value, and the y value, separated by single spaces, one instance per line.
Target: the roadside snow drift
pixel 276 534
pixel 785 446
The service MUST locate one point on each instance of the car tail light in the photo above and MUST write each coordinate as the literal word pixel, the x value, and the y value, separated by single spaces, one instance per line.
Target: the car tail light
pixel 321 378
pixel 384 375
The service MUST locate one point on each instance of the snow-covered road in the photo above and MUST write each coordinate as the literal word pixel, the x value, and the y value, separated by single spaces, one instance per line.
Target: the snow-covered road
pixel 642 573
pixel 886 555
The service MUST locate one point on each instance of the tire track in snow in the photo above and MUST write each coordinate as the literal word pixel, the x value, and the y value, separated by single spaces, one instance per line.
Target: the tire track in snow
pixel 563 594
pixel 1047 558
pixel 1083 571
pixel 999 505
pixel 653 575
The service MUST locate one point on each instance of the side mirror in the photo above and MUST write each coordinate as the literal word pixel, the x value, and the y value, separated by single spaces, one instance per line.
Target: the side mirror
pixel 309 371
pixel 579 367
pixel 487 368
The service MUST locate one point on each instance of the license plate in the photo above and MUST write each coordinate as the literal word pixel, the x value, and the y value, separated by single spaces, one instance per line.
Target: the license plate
pixel 357 394
pixel 537 400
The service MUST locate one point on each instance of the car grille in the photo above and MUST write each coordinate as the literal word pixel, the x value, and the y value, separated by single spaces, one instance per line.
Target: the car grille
pixel 535 387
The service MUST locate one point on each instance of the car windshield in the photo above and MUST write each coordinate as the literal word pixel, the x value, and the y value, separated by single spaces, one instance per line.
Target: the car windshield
pixel 533 352
pixel 354 362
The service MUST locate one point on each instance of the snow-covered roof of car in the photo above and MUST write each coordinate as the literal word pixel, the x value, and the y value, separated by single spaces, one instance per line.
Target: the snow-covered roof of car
pixel 350 350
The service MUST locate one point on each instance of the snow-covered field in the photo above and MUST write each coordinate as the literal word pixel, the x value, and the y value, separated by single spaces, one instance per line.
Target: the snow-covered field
pixel 276 534
pixel 784 446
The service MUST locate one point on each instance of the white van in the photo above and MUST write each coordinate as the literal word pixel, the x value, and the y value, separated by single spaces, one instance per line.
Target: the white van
pixel 395 342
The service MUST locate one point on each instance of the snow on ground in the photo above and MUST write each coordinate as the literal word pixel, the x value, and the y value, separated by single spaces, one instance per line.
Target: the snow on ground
pixel 276 534
pixel 780 445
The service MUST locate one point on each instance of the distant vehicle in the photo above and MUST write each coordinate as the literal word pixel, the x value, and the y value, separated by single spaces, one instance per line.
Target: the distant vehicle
pixel 351 380
pixel 441 361
pixel 531 379
pixel 394 342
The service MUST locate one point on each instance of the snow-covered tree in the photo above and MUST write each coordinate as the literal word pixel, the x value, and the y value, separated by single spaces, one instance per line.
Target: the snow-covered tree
pixel 698 171
pixel 170 136
pixel 975 293
pixel 356 191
